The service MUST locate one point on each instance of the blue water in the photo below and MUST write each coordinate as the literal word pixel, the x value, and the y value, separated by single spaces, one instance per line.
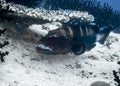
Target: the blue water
pixel 31 3
pixel 114 3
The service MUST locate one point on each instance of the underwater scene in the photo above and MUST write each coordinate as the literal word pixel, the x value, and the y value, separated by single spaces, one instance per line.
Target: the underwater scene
pixel 59 43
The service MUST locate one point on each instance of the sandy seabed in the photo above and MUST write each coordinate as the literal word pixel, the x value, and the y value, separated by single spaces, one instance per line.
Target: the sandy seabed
pixel 24 66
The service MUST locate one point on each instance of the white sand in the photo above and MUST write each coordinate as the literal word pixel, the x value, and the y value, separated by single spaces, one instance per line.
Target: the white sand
pixel 25 67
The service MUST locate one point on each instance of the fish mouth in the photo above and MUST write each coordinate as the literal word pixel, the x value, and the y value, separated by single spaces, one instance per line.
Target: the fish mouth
pixel 47 45
pixel 45 49
pixel 53 45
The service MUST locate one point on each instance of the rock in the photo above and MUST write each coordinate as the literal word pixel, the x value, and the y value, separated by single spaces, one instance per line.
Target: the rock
pixel 100 83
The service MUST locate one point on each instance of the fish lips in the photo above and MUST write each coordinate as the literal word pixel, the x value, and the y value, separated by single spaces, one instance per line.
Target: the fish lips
pixel 44 49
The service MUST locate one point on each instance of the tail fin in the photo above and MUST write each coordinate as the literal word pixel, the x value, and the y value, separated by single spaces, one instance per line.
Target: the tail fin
pixel 104 33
